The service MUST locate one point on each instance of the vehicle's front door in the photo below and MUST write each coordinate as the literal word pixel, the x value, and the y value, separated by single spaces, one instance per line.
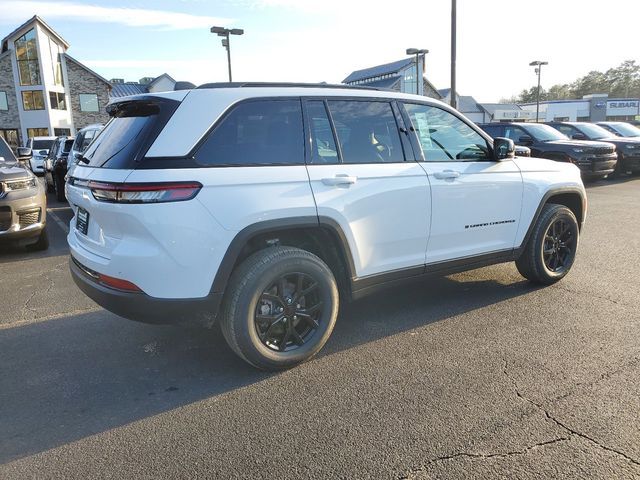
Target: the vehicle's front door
pixel 476 201
pixel 364 177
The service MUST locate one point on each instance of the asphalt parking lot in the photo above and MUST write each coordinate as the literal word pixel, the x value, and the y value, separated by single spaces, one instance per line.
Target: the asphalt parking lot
pixel 476 375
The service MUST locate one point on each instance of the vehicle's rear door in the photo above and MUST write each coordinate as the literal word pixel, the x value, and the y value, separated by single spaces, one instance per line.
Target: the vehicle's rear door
pixel 364 177
pixel 476 201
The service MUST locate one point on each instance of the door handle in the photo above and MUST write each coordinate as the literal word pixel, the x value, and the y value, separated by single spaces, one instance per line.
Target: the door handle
pixel 340 179
pixel 446 174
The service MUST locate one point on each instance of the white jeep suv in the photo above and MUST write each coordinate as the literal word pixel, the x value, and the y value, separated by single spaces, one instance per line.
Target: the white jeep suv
pixel 261 206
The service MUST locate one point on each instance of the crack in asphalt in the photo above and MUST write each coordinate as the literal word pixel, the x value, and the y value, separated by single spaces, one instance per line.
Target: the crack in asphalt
pixel 485 456
pixel 603 376
pixel 562 424
pixel 571 432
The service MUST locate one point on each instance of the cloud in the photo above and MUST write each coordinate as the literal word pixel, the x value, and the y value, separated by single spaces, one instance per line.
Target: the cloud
pixel 18 11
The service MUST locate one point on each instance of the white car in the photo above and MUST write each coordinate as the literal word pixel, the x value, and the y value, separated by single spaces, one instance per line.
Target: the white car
pixel 40 148
pixel 262 206
pixel 84 137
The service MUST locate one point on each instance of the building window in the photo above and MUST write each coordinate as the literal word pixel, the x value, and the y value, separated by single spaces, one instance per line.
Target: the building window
pixel 11 137
pixel 4 105
pixel 57 101
pixel 62 132
pixel 37 132
pixel 27 57
pixel 88 102
pixel 56 63
pixel 33 100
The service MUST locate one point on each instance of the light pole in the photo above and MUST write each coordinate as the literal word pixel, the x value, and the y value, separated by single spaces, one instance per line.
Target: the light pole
pixel 538 64
pixel 454 98
pixel 225 32
pixel 417 52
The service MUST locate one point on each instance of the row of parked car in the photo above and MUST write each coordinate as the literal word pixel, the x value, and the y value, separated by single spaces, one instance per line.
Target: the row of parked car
pixel 23 200
pixel 599 149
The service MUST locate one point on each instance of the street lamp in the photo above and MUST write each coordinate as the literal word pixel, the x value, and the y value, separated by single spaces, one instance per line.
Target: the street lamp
pixel 417 52
pixel 538 64
pixel 225 32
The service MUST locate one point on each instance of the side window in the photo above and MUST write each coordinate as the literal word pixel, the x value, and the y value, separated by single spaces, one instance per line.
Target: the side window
pixel 493 130
pixel 264 132
pixel 444 137
pixel 566 129
pixel 323 145
pixel 367 131
pixel 514 133
pixel 86 139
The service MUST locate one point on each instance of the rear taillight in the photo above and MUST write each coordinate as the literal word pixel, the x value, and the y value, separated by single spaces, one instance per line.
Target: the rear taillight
pixel 144 192
pixel 118 283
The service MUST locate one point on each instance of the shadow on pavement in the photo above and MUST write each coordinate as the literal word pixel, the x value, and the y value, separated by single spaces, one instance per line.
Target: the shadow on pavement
pixel 65 379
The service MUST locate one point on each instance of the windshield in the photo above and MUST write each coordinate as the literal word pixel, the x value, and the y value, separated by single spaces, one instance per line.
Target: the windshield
pixel 42 144
pixel 544 133
pixel 626 129
pixel 594 132
pixel 5 152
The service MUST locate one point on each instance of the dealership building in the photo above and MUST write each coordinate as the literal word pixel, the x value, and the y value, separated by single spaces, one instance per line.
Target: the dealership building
pixel 591 108
pixel 43 90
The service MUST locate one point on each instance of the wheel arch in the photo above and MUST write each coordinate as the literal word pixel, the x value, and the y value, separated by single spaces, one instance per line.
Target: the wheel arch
pixel 321 236
pixel 571 197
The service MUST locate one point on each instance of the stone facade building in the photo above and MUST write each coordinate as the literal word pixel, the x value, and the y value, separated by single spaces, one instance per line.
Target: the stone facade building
pixel 44 91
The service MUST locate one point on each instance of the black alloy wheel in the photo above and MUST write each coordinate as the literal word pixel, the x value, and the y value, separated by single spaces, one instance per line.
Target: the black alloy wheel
pixel 558 247
pixel 288 312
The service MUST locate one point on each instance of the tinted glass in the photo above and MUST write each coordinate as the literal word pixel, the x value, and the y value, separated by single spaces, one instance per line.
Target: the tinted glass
pixel 624 129
pixel 595 132
pixel 67 145
pixel 264 132
pixel 42 144
pixel 543 133
pixel 5 152
pixel 514 133
pixel 444 137
pixel 129 133
pixel 566 130
pixel 493 130
pixel 323 145
pixel 367 131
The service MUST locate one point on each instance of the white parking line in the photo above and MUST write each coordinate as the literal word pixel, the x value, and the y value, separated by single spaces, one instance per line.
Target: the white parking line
pixel 57 219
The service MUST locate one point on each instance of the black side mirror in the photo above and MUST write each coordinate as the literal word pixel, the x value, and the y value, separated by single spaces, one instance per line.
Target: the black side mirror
pixel 579 136
pixel 24 153
pixel 503 149
pixel 525 140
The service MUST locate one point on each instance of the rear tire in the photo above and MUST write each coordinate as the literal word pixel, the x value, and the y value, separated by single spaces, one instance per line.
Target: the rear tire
pixel 280 308
pixel 550 252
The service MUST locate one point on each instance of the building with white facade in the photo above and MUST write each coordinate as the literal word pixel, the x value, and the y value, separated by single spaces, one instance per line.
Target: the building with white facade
pixel 43 90
pixel 590 108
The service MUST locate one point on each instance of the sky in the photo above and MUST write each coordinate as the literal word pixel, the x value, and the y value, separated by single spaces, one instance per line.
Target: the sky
pixel 324 40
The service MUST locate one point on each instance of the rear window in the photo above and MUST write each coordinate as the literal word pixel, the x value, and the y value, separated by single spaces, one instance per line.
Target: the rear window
pixel 262 132
pixel 128 135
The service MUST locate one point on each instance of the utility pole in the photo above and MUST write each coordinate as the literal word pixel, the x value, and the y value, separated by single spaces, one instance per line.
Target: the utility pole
pixel 454 100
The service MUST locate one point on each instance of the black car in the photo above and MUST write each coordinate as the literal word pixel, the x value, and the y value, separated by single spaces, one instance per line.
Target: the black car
pixel 55 166
pixel 621 129
pixel 628 149
pixel 595 159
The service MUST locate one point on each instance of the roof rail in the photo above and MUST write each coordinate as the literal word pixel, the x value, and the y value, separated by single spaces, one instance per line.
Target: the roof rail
pixel 285 84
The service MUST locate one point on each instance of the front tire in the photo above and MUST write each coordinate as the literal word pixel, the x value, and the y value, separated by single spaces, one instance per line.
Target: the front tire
pixel 280 308
pixel 550 252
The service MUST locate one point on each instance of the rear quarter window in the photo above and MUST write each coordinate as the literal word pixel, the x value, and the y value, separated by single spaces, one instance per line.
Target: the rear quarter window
pixel 257 132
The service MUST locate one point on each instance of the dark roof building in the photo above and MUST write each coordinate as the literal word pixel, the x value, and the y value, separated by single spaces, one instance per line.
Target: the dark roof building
pixel 399 76
pixel 162 83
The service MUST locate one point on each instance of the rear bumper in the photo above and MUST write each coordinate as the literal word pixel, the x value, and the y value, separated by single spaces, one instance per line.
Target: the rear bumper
pixel 144 308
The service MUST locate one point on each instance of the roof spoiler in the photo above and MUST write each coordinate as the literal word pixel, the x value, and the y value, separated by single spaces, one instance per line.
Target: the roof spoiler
pixel 183 86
